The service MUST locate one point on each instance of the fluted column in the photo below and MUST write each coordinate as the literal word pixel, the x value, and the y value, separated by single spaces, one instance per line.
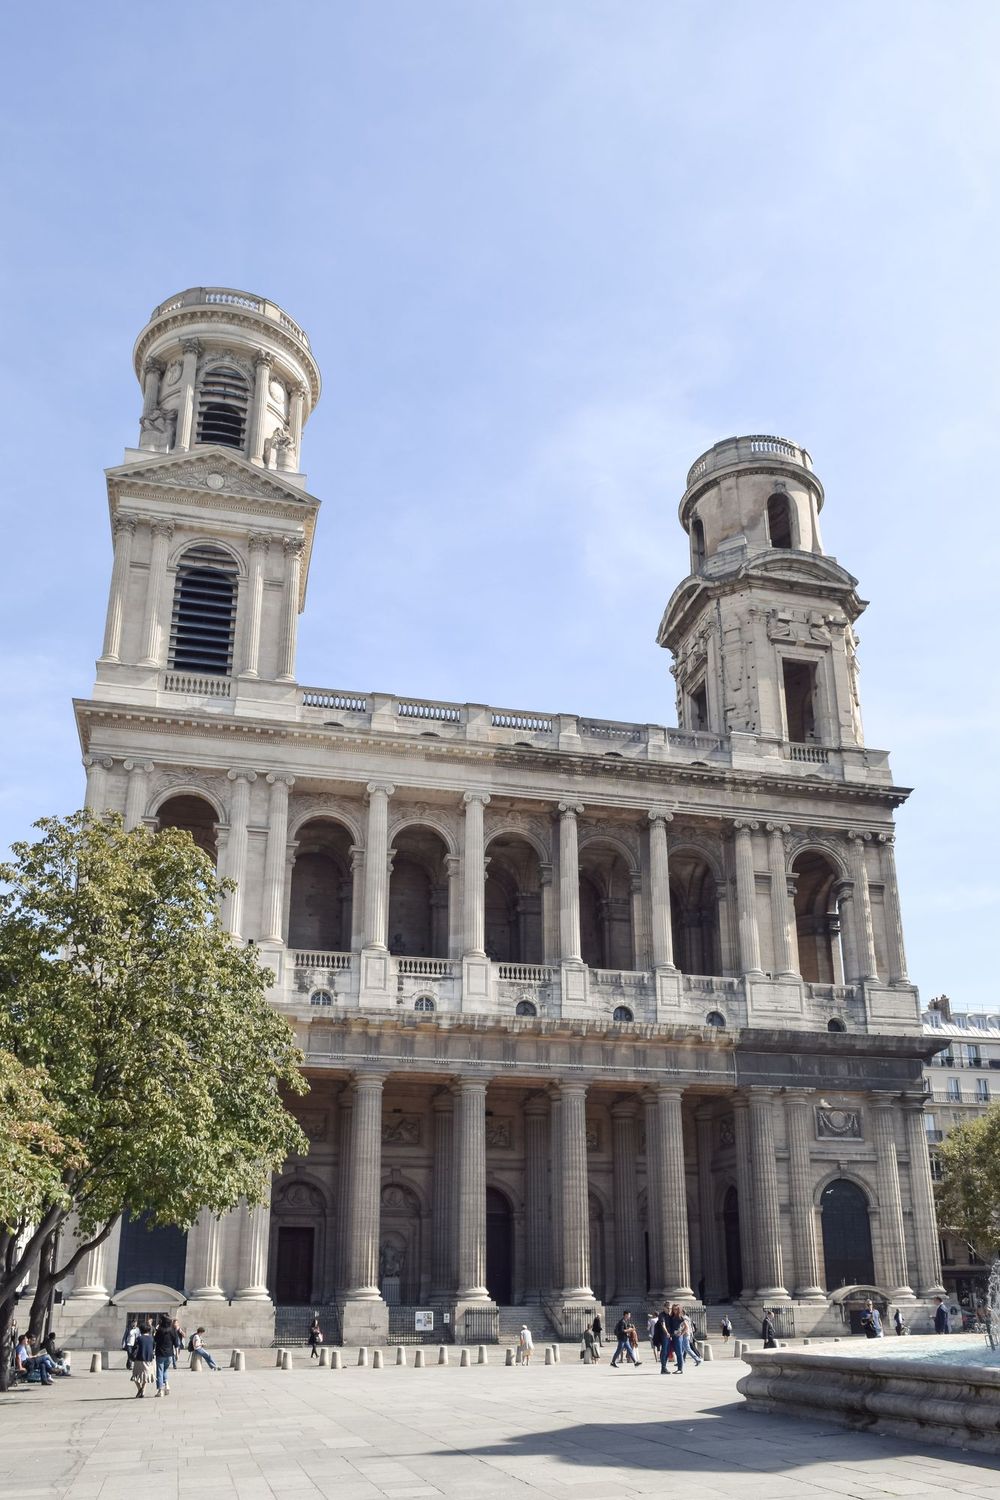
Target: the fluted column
pixel 575 1201
pixel 236 849
pixel 152 373
pixel 745 1194
pixel 767 1219
pixel 377 865
pixel 258 544
pixel 136 791
pixel 453 864
pixel 536 1196
pixel 630 1280
pixel 474 885
pixel 357 898
pixel 97 768
pixel 162 531
pixel 864 931
pixel 275 857
pixel 799 1129
pixel 782 915
pixel 470 1127
pixel 654 1181
pixel 295 422
pixel 890 1202
pixel 345 1155
pixel 442 1228
pixel 746 899
pixel 555 1194
pixel 893 915
pixel 91 1279
pixel 123 530
pixel 365 1189
pixel 254 1242
pixel 670 1194
pixel 659 890
pixel 185 427
pixel 293 547
pixel 712 1269
pixel 207 1267
pixel 262 372
pixel 569 883
pixel 925 1234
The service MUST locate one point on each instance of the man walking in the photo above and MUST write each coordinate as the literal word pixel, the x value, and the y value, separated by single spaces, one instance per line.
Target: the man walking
pixel 941 1324
pixel 163 1353
pixel 624 1342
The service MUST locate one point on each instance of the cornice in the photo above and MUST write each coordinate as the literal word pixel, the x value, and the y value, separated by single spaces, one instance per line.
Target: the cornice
pixel 226 315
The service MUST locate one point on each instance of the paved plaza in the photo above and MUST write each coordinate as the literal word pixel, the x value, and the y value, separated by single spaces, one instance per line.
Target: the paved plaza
pixel 360 1434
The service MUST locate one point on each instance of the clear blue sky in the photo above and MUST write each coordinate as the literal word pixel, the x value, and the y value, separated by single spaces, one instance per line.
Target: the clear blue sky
pixel 547 252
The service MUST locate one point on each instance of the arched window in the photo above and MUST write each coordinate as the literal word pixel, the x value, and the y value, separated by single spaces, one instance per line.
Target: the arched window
pixel 321 997
pixel 204 613
pixel 195 816
pixel 847 1236
pixel 423 1002
pixel 835 1025
pixel 697 546
pixel 526 1008
pixel 222 407
pixel 779 521
pixel 817 918
pixel 622 1014
pixel 716 1018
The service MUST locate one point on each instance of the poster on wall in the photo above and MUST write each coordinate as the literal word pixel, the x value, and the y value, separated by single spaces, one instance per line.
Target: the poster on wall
pixel 423 1322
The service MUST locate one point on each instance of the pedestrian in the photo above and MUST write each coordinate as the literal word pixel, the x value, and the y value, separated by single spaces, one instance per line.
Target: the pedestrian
pixel 525 1344
pixel 673 1338
pixel 143 1359
pixel 871 1321
pixel 589 1353
pixel 633 1340
pixel 178 1334
pixel 727 1328
pixel 163 1354
pixel 687 1338
pixel 941 1323
pixel 767 1332
pixel 128 1339
pixel 27 1363
pixel 651 1322
pixel 899 1323
pixel 197 1350
pixel 315 1337
pixel 624 1342
pixel 597 1329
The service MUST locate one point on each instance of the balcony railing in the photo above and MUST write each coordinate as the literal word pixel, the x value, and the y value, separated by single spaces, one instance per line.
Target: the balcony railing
pixel 426 968
pixel 194 686
pixel 744 450
pixel 225 296
pixel 310 959
pixel 526 973
pixel 815 755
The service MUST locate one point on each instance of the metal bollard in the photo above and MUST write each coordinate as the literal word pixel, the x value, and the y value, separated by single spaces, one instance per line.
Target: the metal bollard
pixel 377 1360
pixel 336 1361
pixel 400 1355
pixel 418 1360
pixel 509 1358
pixel 362 1356
pixel 464 1361
pixel 548 1354
pixel 482 1359
pixel 442 1354
pixel 95 1364
pixel 286 1359
pixel 239 1361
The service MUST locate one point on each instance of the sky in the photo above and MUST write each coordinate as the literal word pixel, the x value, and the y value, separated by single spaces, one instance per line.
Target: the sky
pixel 547 252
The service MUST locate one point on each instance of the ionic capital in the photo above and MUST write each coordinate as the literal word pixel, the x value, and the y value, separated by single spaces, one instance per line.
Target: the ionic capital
pixel 103 761
pixel 385 787
pixel 237 773
pixel 141 766
pixel 482 797
pixel 570 809
pixel 858 835
pixel 660 815
pixel 783 829
pixel 278 778
pixel 745 825
pixel 886 839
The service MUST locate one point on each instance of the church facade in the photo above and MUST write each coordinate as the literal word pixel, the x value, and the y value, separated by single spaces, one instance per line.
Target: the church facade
pixel 593 1013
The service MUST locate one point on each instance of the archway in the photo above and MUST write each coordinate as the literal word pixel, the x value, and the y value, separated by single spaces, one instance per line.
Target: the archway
pixel 817 918
pixel 399 1244
pixel 606 938
pixel 196 816
pixel 418 895
pixel 731 1233
pixel 499 1247
pixel 298 1243
pixel 513 902
pixel 321 906
pixel 847 1235
pixel 150 1253
pixel 694 914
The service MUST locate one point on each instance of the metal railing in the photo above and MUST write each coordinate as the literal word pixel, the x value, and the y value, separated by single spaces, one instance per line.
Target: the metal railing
pixel 481 1325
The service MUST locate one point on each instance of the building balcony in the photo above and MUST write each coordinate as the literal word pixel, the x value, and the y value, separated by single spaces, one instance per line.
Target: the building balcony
pixel 226 296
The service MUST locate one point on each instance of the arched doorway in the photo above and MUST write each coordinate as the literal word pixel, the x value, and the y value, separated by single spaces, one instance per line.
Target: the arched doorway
pixel 195 816
pixel 154 1253
pixel 606 937
pixel 847 1235
pixel 499 1248
pixel 418 895
pixel 320 910
pixel 731 1232
pixel 298 1243
pixel 817 918
pixel 694 914
pixel 513 902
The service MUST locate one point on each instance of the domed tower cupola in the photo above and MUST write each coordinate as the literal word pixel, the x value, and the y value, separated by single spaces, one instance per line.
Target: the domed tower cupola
pixel 227 369
pixel 762 628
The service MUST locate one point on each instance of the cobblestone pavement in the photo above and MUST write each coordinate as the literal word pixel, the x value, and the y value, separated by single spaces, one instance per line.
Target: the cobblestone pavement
pixel 360 1434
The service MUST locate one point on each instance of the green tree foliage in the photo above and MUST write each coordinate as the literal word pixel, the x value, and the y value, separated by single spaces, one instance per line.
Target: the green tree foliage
pixel 968 1195
pixel 33 1152
pixel 163 1062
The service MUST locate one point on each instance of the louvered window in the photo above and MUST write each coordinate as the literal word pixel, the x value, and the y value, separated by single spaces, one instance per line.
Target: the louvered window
pixel 222 408
pixel 204 615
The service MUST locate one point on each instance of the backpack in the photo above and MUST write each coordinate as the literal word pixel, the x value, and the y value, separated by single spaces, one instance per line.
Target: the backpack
pixel 190 1344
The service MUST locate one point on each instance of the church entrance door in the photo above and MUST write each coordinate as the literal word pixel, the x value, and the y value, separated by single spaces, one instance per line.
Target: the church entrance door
pixel 499 1248
pixel 734 1257
pixel 294 1266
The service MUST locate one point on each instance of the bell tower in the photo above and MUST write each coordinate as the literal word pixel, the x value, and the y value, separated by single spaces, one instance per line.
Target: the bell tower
pixel 211 519
pixel 762 629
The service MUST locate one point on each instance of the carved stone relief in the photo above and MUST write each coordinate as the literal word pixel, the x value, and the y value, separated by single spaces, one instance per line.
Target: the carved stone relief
pixel 838 1124
pixel 500 1134
pixel 401 1130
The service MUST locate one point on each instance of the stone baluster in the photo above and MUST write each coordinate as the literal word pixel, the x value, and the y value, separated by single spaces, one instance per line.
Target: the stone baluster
pixel 890 1202
pixel 767 1219
pixel 672 1192
pixel 275 857
pixel 659 890
pixel 536 1195
pixel 123 530
pixel 365 1188
pixel 569 882
pixel 799 1129
pixel 712 1269
pixel 442 1268
pixel 161 531
pixel 575 1200
pixel 864 931
pixel 96 796
pixel 236 849
pixel 136 791
pixel 474 885
pixel 893 915
pixel 259 543
pixel 262 374
pixel 191 348
pixel 746 898
pixel 207 1258
pixel 470 1121
pixel 295 415
pixel 254 1244
pixel 745 1194
pixel 925 1235
pixel 629 1275
pixel 377 865
pixel 782 914
pixel 293 546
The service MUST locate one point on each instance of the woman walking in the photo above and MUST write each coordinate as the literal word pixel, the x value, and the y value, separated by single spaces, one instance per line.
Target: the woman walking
pixel 315 1337
pixel 143 1357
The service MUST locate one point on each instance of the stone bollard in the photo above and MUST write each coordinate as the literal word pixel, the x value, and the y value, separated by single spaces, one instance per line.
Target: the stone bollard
pixel 239 1361
pixel 418 1359
pixel 95 1364
pixel 195 1365
pixel 737 1348
pixel 336 1362
pixel 324 1357
pixel 556 1354
pixel 277 1361
pixel 482 1359
pixel 509 1358
pixel 548 1354
pixel 362 1356
pixel 400 1355
pixel 807 1341
pixel 442 1354
pixel 377 1360
pixel 286 1359
pixel 464 1361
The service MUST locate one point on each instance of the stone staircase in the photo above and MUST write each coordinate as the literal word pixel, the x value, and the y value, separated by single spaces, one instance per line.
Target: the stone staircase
pixel 537 1320
pixel 291 1324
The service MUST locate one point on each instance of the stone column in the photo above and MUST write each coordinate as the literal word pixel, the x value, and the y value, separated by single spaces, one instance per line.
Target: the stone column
pixel 365 1190
pixel 262 372
pixel 254 1242
pixel 864 932
pixel 453 869
pixel 185 427
pixel 470 1126
pixel 925 1235
pixel 654 1180
pixel 569 883
pixel 670 1195
pixel 91 1279
pixel 629 1274
pixel 294 546
pixel 162 531
pixel 275 858
pixel 377 865
pixel 745 1193
pixel 345 1155
pixel 152 373
pixel 259 542
pixel 236 849
pixel 442 1215
pixel 123 531
pixel 357 898
pixel 782 914
pixel 893 915
pixel 136 791
pixel 295 416
pixel 207 1259
pixel 746 899
pixel 767 1219
pixel 536 1196
pixel 799 1129
pixel 712 1269
pixel 96 796
pixel 555 1194
pixel 474 885
pixel 659 890
pixel 892 1273
pixel 575 1201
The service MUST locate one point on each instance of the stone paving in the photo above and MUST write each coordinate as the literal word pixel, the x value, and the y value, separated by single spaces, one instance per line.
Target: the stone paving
pixel 360 1434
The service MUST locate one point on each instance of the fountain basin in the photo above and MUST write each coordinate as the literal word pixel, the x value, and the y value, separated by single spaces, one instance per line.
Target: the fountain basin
pixel 951 1400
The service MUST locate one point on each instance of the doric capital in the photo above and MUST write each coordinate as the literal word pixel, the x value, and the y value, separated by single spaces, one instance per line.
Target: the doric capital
pixel 294 546
pixel 162 528
pixel 799 1096
pixel 191 346
pixel 625 1108
pixel 481 797
pixel 238 773
pixel 386 787
pixel 357 854
pixel 141 766
pixel 745 825
pixel 124 523
pixel 572 1088
pixel 471 1087
pixel 915 1103
pixel 153 367
pixel 264 358
pixel 660 815
pixel 371 1081
pixel 883 1101
pixel 669 1091
pixel 783 829
pixel 570 809
pixel 258 541
pixel 276 778
pixel 536 1106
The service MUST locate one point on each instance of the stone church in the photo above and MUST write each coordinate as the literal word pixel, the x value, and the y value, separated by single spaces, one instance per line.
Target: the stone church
pixel 593 1013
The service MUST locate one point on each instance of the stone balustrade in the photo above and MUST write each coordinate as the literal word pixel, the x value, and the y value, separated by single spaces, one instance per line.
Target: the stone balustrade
pixel 223 296
pixel 748 449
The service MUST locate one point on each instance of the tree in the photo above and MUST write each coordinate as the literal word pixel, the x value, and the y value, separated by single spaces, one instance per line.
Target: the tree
pixel 33 1152
pixel 162 1062
pixel 968 1195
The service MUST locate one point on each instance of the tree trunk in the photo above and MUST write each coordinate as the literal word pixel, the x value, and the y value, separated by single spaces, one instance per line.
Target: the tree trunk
pixel 44 1288
pixel 6 1320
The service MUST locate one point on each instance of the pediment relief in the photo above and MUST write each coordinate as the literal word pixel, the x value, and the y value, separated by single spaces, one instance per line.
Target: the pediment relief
pixel 212 470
